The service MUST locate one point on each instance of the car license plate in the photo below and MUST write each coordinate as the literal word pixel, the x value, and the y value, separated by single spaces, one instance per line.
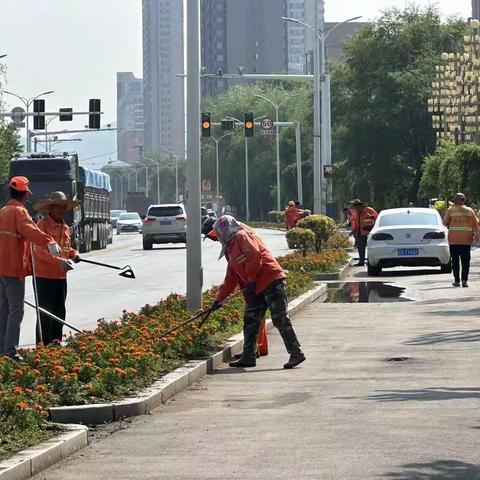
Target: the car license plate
pixel 165 222
pixel 408 252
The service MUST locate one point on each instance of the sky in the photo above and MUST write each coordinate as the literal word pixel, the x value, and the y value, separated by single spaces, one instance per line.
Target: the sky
pixel 75 47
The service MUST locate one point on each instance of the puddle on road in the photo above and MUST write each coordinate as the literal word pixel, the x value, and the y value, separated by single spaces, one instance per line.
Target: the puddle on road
pixel 366 292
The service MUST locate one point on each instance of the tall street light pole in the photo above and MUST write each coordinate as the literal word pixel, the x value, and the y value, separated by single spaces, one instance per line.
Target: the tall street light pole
pixel 157 164
pixel 194 237
pixel 277 107
pixel 321 102
pixel 27 102
pixel 217 146
pixel 146 176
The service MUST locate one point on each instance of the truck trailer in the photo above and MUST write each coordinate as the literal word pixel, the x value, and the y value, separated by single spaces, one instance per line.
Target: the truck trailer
pixel 48 172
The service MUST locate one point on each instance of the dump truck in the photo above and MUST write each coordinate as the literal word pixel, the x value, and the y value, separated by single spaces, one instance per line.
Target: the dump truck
pixel 48 172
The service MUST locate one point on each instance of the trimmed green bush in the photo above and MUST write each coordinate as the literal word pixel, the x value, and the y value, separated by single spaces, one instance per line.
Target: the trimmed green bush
pixel 276 217
pixel 321 225
pixel 301 238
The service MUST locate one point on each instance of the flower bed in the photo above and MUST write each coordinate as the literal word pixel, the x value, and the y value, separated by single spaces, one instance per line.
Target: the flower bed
pixel 268 225
pixel 115 360
pixel 327 261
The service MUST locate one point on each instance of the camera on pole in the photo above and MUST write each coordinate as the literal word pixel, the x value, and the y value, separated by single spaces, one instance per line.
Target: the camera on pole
pixel 206 125
pixel 39 120
pixel 249 124
pixel 94 115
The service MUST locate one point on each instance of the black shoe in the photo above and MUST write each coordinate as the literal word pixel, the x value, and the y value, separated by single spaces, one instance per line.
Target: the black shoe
pixel 360 264
pixel 240 363
pixel 238 356
pixel 295 360
pixel 465 284
pixel 16 357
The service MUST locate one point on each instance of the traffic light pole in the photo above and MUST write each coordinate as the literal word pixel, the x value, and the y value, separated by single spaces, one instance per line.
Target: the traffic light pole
pixel 194 237
pixel 247 192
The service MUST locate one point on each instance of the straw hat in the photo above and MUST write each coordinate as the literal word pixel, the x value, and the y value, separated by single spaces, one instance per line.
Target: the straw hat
pixel 55 198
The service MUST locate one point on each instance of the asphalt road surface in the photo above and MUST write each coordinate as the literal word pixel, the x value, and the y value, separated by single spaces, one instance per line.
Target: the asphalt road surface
pixel 96 292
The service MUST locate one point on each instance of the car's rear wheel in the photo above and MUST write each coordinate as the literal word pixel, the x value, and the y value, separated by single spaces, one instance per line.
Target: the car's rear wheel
pixel 447 268
pixel 147 245
pixel 373 271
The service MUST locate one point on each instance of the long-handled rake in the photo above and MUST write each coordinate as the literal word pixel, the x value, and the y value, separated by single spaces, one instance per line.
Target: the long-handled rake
pixel 204 314
pixel 51 315
pixel 127 271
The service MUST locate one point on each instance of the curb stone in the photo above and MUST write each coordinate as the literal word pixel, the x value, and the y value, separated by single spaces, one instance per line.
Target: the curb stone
pixel 340 275
pixel 31 461
pixel 171 383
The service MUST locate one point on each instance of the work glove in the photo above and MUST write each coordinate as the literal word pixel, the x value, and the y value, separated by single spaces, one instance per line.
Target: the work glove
pixel 65 265
pixel 216 305
pixel 76 259
pixel 54 249
pixel 250 287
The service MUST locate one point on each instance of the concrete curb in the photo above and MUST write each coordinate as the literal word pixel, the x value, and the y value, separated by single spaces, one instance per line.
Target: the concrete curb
pixel 171 383
pixel 340 275
pixel 31 461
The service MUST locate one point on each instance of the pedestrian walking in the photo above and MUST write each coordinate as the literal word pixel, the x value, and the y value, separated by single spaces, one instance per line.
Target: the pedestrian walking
pixel 17 229
pixel 462 226
pixel 364 220
pixel 52 272
pixel 292 215
pixel 252 267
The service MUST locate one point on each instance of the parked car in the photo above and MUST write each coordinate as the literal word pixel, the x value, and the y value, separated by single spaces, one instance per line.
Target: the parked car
pixel 410 237
pixel 129 222
pixel 114 214
pixel 165 223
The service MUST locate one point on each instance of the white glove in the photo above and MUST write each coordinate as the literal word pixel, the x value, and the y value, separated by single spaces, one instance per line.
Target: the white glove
pixel 54 249
pixel 66 265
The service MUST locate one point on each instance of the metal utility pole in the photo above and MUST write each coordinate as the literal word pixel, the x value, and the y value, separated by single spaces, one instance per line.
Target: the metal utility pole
pixel 317 161
pixel 157 164
pixel 194 237
pixel 217 146
pixel 247 192
pixel 298 148
pixel 146 176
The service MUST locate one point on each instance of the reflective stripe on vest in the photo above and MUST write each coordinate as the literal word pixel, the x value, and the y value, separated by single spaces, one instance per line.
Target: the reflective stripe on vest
pixel 461 229
pixel 461 214
pixel 10 234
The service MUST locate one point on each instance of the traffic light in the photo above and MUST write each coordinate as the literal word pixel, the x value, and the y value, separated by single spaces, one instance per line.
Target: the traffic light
pixel 206 125
pixel 65 114
pixel 249 124
pixel 39 121
pixel 94 118
pixel 228 125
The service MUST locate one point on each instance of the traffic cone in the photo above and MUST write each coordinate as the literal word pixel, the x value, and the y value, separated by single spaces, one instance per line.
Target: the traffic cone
pixel 262 339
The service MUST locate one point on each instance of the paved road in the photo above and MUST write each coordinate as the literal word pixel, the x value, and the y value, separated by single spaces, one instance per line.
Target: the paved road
pixel 348 413
pixel 96 292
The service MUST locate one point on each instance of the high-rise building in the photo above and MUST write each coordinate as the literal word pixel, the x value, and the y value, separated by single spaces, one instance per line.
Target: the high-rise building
pixel 163 90
pixel 476 9
pixel 248 33
pixel 129 116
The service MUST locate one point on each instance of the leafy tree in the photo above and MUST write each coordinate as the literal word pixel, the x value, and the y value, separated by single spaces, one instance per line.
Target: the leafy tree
pixel 382 129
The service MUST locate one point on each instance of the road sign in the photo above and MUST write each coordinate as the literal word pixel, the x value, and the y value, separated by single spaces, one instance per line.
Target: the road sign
pixel 17 114
pixel 266 126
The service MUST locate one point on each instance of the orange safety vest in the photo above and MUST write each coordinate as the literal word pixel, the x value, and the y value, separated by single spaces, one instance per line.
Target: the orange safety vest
pixel 462 223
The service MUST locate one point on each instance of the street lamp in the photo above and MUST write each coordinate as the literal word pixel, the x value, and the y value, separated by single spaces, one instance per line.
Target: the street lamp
pixel 157 164
pixel 217 142
pixel 27 102
pixel 277 107
pixel 322 148
pixel 4 55
pixel 146 176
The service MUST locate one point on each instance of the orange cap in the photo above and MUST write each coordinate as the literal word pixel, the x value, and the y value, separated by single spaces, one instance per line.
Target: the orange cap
pixel 213 235
pixel 20 184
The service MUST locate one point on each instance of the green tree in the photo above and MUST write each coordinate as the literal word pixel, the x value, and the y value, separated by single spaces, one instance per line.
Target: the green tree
pixel 382 129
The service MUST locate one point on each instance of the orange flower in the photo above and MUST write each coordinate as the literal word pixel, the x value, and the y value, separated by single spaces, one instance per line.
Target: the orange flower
pixel 17 391
pixel 59 369
pixel 38 408
pixel 22 405
pixel 41 389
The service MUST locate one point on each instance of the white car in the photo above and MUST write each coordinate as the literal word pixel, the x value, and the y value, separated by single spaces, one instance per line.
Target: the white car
pixel 165 223
pixel 129 222
pixel 409 237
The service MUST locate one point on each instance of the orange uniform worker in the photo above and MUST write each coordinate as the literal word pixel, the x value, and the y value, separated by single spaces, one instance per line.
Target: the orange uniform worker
pixel 17 229
pixel 252 267
pixel 462 226
pixel 364 220
pixel 52 272
pixel 292 215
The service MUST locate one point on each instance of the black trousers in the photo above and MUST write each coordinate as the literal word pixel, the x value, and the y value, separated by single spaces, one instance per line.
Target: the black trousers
pixel 460 253
pixel 362 247
pixel 52 294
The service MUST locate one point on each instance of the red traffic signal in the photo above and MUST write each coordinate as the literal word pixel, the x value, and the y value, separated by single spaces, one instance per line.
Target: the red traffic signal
pixel 249 124
pixel 206 125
